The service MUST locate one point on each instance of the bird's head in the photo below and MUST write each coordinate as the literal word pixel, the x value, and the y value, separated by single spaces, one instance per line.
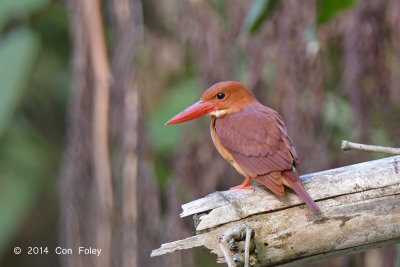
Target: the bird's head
pixel 220 99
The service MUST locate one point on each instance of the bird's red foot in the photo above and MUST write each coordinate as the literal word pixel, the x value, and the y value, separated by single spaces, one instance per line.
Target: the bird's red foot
pixel 243 185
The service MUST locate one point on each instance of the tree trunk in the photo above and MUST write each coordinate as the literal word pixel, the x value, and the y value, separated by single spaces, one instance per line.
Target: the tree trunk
pixel 99 200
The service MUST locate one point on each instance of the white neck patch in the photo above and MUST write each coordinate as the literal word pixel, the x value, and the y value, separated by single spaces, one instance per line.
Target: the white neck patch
pixel 218 113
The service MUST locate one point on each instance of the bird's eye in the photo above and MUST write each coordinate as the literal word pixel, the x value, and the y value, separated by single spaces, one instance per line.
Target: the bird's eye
pixel 221 95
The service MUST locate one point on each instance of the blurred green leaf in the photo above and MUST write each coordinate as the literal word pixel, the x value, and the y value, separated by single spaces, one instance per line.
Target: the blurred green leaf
pixel 337 113
pixel 17 53
pixel 220 7
pixel 24 165
pixel 17 8
pixel 379 138
pixel 328 8
pixel 165 138
pixel 16 199
pixel 259 11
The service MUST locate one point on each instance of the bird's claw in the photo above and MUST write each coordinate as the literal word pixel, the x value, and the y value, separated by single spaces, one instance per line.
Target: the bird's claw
pixel 241 187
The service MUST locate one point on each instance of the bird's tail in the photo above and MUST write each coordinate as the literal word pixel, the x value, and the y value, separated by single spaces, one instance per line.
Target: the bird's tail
pixel 293 180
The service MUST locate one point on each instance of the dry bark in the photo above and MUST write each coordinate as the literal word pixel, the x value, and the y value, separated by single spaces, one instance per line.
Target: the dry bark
pixel 359 210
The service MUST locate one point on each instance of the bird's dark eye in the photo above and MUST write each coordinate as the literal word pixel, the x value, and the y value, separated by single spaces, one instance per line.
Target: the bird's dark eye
pixel 221 95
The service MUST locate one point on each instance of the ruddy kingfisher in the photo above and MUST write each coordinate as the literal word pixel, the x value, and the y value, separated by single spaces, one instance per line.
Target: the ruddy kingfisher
pixel 250 136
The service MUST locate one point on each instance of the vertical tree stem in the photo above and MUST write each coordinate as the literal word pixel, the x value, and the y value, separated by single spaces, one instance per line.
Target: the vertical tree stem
pixel 101 161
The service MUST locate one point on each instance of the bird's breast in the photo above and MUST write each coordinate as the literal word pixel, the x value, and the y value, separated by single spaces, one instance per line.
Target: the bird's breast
pixel 224 153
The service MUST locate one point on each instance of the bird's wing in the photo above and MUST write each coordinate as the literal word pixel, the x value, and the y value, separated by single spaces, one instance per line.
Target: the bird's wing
pixel 257 139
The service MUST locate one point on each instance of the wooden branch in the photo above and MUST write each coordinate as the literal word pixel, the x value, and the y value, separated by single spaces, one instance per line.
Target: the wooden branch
pixel 360 209
pixel 101 160
pixel 346 146
pixel 101 71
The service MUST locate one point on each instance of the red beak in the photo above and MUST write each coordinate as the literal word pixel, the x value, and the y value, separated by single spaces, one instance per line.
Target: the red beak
pixel 196 110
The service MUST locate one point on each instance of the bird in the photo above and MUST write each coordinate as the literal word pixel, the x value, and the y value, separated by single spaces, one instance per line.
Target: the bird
pixel 252 137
